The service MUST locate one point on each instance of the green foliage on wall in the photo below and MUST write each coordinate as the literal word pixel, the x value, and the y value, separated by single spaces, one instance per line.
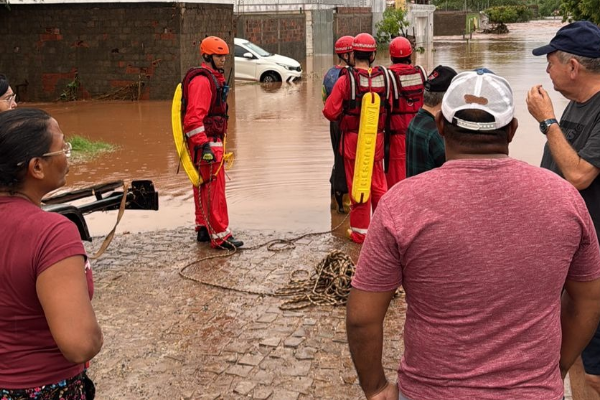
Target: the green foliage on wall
pixel 391 25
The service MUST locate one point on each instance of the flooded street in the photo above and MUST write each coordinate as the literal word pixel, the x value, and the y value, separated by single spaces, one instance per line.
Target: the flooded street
pixel 222 334
pixel 279 180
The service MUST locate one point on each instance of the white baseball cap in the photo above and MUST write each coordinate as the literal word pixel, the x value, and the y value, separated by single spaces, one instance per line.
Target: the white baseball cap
pixel 479 90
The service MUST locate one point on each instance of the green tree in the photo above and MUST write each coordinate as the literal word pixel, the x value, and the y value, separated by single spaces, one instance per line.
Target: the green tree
pixel 391 25
pixel 575 10
pixel 502 15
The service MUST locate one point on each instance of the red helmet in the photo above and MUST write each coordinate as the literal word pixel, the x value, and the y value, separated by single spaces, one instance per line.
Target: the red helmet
pixel 344 45
pixel 214 45
pixel 400 47
pixel 364 42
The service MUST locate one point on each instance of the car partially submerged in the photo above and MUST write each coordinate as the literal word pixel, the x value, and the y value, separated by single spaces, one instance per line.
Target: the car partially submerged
pixel 256 64
pixel 140 195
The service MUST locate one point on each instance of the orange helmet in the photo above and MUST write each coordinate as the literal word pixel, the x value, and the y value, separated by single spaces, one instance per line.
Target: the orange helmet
pixel 400 47
pixel 364 42
pixel 344 45
pixel 214 45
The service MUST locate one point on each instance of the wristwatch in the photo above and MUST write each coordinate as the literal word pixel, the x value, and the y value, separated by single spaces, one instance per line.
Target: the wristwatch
pixel 545 125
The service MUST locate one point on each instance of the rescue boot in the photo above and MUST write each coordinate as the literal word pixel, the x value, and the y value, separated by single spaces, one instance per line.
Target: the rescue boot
pixel 356 238
pixel 203 235
pixel 347 202
pixel 339 199
pixel 231 243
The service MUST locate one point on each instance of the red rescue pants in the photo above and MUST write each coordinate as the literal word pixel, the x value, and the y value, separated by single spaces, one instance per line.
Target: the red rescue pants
pixel 360 213
pixel 397 168
pixel 209 198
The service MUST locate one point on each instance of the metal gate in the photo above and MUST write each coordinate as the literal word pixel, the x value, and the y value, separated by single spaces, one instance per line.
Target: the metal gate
pixel 322 31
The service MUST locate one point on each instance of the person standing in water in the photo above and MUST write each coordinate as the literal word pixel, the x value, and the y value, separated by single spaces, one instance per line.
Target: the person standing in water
pixel 339 188
pixel 205 125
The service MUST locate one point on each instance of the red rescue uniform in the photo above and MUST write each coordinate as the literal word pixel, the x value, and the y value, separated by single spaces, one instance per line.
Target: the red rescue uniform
pixel 205 121
pixel 340 107
pixel 406 98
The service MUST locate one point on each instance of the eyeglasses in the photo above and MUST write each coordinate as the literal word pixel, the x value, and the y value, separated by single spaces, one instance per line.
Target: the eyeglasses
pixel 10 98
pixel 66 150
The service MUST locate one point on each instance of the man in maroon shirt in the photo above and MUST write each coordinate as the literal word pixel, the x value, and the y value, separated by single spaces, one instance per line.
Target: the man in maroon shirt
pixel 483 255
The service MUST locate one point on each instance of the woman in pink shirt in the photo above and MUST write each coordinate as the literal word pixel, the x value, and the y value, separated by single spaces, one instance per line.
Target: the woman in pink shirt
pixel 48 329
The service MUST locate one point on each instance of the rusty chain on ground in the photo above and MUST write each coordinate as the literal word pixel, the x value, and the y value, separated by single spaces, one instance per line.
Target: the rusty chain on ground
pixel 328 284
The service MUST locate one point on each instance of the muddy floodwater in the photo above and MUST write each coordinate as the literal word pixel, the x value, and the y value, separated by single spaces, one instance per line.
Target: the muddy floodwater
pixel 279 179
pixel 165 337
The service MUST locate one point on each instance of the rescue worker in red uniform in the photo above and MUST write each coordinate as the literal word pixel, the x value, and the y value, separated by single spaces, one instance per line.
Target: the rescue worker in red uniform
pixel 344 105
pixel 205 125
pixel 406 98
pixel 339 190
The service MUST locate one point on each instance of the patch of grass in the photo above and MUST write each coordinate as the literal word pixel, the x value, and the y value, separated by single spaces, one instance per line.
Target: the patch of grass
pixel 84 148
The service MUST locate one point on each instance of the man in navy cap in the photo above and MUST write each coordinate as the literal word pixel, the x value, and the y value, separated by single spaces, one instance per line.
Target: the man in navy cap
pixel 573 146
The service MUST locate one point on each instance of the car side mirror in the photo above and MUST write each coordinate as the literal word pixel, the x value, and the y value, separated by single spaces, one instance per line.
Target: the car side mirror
pixel 248 56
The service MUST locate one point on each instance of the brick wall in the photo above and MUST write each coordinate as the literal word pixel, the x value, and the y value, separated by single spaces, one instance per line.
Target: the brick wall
pixel 446 23
pixel 107 46
pixel 283 34
pixel 352 21
pixel 199 21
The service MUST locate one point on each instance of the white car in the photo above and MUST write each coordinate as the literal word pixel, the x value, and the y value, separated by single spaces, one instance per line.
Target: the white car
pixel 255 64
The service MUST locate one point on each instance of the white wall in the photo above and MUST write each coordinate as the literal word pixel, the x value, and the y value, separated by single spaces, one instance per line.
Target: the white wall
pixel 420 16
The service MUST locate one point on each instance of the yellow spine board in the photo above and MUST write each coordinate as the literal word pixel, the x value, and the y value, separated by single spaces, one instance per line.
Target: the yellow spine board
pixel 365 147
pixel 180 140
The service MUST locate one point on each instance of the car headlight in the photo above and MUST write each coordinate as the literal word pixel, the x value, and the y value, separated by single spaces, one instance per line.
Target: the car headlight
pixel 289 68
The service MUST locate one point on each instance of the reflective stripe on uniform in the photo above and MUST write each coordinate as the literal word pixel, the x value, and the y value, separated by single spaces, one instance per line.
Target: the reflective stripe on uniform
pixel 221 235
pixel 411 80
pixel 394 84
pixel 376 81
pixel 215 144
pixel 358 230
pixel 194 132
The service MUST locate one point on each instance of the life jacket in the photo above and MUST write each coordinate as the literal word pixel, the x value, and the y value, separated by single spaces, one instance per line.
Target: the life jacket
pixel 360 83
pixel 329 81
pixel 406 95
pixel 215 122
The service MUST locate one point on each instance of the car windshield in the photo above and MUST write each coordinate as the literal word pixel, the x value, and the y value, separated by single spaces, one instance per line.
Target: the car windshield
pixel 258 50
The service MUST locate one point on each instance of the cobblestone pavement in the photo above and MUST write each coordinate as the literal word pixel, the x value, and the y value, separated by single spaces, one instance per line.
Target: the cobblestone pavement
pixel 167 337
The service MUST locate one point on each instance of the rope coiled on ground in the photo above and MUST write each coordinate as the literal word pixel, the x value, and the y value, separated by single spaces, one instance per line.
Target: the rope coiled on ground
pixel 329 284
